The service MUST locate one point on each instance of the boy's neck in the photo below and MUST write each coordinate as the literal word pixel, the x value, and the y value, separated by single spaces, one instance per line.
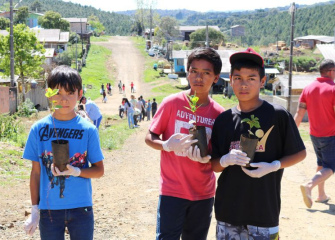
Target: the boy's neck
pixel 63 117
pixel 249 106
pixel 203 98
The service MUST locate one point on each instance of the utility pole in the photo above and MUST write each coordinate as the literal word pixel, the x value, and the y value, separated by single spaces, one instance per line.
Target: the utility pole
pixel 292 11
pixel 81 36
pixel 150 33
pixel 76 53
pixel 11 43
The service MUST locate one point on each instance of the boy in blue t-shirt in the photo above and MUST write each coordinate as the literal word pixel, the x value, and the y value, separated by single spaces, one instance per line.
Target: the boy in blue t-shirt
pixel 63 199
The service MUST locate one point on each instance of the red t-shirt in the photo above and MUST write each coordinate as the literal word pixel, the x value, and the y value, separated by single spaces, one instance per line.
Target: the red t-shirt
pixel 180 176
pixel 319 97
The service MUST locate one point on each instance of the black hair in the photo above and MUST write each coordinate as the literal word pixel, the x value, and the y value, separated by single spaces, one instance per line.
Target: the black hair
pixel 208 54
pixel 80 107
pixel 126 101
pixel 245 63
pixel 65 77
pixel 326 65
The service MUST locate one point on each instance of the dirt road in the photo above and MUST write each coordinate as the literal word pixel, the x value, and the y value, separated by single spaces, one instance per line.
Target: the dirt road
pixel 125 199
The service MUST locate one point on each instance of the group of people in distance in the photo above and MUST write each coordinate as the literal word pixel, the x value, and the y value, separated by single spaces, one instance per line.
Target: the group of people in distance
pixel 137 110
pixel 247 199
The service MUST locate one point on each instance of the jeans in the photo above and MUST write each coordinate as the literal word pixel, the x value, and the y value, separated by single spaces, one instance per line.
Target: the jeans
pixel 324 148
pixel 181 217
pixel 79 222
pixel 130 117
pixel 97 122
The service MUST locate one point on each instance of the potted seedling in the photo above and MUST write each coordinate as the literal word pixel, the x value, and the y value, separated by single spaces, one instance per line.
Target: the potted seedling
pixel 248 142
pixel 198 132
pixel 60 147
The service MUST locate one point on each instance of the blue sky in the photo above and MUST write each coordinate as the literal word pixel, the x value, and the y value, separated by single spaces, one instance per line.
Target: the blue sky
pixel 208 5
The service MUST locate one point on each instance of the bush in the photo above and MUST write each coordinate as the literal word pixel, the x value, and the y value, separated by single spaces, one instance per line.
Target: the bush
pixel 26 108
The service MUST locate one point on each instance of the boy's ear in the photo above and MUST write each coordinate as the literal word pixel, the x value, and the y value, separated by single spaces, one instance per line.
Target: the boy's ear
pixel 216 79
pixel 80 94
pixel 263 81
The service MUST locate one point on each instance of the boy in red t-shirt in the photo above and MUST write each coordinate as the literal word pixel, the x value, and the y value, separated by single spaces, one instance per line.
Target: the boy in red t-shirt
pixel 187 185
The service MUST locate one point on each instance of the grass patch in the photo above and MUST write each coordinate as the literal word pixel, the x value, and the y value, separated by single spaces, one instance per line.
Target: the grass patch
pixel 113 137
pixel 225 102
pixel 95 73
pixel 304 135
pixel 103 38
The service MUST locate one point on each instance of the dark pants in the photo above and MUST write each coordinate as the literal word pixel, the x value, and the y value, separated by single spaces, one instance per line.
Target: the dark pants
pixel 180 217
pixel 79 222
pixel 153 112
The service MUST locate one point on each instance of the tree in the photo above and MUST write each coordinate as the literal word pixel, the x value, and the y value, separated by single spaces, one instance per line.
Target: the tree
pixel 167 29
pixel 21 15
pixel 53 20
pixel 96 25
pixel 28 54
pixel 4 23
pixel 36 6
pixel 199 37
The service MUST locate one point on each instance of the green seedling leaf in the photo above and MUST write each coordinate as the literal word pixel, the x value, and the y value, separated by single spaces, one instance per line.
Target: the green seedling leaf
pixel 51 92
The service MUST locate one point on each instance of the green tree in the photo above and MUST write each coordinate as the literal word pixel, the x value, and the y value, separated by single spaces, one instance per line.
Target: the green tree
pixel 21 15
pixel 4 23
pixel 36 6
pixel 167 29
pixel 198 38
pixel 28 54
pixel 53 20
pixel 96 25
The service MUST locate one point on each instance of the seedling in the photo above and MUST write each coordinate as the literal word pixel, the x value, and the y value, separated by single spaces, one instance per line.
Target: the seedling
pixel 50 93
pixel 193 107
pixel 253 122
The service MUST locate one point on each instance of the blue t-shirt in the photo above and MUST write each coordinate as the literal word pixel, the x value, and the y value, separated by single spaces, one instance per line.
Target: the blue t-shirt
pixel 64 192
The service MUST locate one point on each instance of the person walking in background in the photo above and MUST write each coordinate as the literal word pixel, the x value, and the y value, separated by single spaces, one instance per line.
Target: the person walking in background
pixel 136 110
pixel 132 87
pixel 143 108
pixel 123 89
pixel 104 96
pixel 63 199
pixel 120 86
pixel 129 110
pixel 148 110
pixel 92 110
pixel 139 105
pixel 318 99
pixel 154 107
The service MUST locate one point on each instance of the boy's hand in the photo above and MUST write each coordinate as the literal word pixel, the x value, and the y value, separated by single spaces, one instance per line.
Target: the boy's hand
pixel 194 154
pixel 31 223
pixel 178 142
pixel 71 171
pixel 234 157
pixel 263 168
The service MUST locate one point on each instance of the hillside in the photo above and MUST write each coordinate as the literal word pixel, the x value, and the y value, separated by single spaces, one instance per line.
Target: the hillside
pixel 262 26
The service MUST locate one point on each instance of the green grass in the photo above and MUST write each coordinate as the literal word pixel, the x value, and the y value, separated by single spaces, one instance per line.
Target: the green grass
pixel 103 38
pixel 112 137
pixel 95 72
pixel 304 135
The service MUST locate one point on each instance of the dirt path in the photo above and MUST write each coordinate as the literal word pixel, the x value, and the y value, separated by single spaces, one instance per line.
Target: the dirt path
pixel 125 199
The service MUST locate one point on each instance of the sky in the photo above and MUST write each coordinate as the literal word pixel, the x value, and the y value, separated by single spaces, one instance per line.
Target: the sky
pixel 210 5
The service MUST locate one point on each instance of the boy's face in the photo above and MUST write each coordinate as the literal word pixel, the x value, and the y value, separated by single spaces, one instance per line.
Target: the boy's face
pixel 246 84
pixel 201 76
pixel 68 101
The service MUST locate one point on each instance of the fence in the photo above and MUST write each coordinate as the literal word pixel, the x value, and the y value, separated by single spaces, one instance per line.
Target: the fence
pixel 8 100
pixel 37 96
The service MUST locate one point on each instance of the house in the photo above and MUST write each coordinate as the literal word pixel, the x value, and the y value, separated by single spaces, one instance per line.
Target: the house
pixel 185 31
pixel 299 82
pixel 32 20
pixel 180 66
pixel 327 50
pixel 237 31
pixel 271 76
pixel 53 38
pixel 81 27
pixel 311 41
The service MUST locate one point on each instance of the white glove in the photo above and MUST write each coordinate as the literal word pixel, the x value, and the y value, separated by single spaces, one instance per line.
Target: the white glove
pixel 194 154
pixel 234 157
pixel 263 168
pixel 31 223
pixel 178 142
pixel 71 171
